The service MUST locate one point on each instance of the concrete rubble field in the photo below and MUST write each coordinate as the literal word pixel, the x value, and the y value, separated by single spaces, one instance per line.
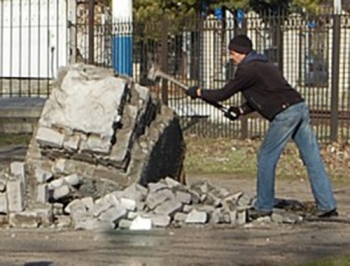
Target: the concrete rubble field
pixel 105 164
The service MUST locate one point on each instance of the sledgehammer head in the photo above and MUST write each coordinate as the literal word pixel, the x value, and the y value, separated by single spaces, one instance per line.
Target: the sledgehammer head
pixel 153 73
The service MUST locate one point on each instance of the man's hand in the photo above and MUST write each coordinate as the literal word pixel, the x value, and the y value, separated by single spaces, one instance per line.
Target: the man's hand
pixel 193 92
pixel 233 113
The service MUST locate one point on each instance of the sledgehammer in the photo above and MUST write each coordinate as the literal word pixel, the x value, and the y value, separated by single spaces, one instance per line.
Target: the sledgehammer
pixel 155 72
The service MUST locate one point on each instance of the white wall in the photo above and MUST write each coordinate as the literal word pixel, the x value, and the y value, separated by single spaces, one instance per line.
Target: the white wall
pixel 33 38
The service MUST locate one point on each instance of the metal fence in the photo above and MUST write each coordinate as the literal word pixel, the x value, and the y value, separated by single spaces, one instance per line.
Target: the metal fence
pixel 311 50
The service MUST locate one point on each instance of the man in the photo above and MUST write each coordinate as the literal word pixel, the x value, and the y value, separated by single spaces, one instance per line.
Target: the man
pixel 267 92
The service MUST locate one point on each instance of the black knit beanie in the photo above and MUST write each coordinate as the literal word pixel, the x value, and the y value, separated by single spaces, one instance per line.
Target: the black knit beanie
pixel 241 44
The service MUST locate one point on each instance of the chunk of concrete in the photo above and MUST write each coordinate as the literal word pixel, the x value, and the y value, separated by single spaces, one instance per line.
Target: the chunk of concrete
pixel 59 166
pixel 24 220
pixel 114 214
pixel 180 216
pixel 15 196
pixel 100 206
pixel 241 217
pixel 135 192
pixel 49 137
pixel 160 220
pixel 183 197
pixel 88 202
pixel 71 143
pixel 96 144
pixel 56 183
pixel 196 217
pixel 42 193
pixel 63 221
pixel 172 183
pixel 72 180
pixel 3 203
pixel 128 204
pixel 3 183
pixel 61 192
pixel 169 207
pixel 141 223
pixel 124 224
pixel 154 187
pixel 42 176
pixel 17 169
pixel 156 198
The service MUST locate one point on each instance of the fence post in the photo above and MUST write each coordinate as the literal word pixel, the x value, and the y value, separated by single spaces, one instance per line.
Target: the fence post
pixel 244 119
pixel 164 59
pixel 91 31
pixel 335 76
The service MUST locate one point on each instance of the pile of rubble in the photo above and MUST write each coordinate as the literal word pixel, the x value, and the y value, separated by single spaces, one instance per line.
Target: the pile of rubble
pixel 166 203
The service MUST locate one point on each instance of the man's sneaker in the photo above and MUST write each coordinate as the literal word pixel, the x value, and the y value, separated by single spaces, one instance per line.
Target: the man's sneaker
pixel 327 214
pixel 255 214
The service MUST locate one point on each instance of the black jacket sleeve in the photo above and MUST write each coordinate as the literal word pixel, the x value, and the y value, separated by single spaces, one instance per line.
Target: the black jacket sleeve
pixel 241 81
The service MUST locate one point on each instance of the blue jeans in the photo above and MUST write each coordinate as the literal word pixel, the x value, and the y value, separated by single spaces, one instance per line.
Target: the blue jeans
pixel 294 122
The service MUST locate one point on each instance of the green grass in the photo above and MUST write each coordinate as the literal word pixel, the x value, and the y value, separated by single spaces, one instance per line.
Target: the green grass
pixel 342 261
pixel 14 139
pixel 238 158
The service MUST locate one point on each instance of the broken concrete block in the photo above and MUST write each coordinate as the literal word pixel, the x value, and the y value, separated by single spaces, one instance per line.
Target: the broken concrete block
pixel 99 226
pixel 24 220
pixel 141 223
pixel 156 198
pixel 124 224
pixel 128 204
pixel 45 215
pixel 187 208
pixel 43 193
pixel 57 209
pixel 154 187
pixel 113 214
pixel 63 221
pixel 71 143
pixel 3 203
pixel 100 206
pixel 61 192
pixel 183 197
pixel 72 180
pixel 56 184
pixel 195 196
pixel 216 217
pixel 135 192
pixel 233 217
pixel 96 144
pixel 15 196
pixel 241 217
pixel 246 200
pixel 3 183
pixel 196 217
pixel 49 137
pixel 160 220
pixel 132 215
pixel 76 203
pixel 172 183
pixel 42 176
pixel 88 202
pixel 17 169
pixel 205 208
pixel 169 207
pixel 180 216
pixel 59 166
